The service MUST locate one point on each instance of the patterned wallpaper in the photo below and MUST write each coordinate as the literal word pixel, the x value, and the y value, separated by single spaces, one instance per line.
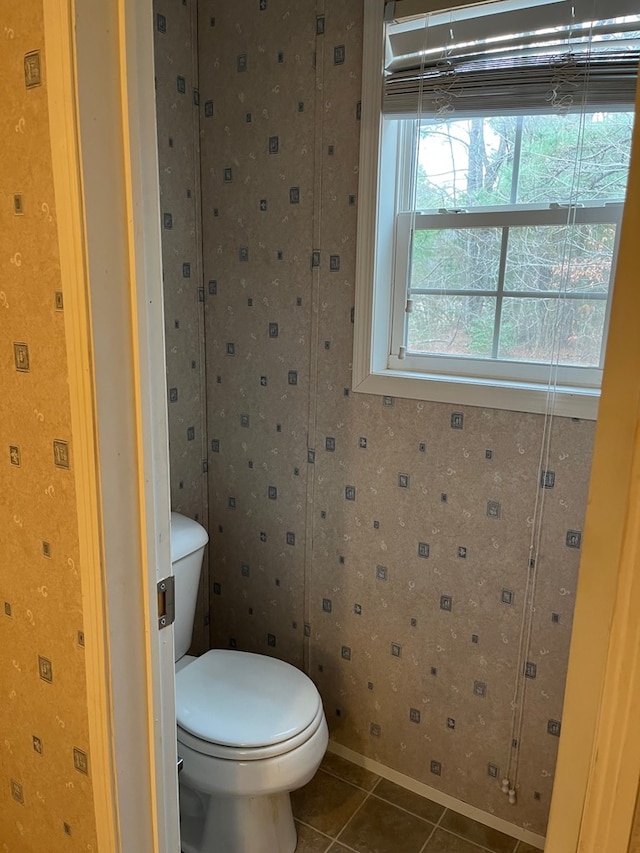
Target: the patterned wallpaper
pixel 261 186
pixel 46 799
pixel 177 102
pixel 378 543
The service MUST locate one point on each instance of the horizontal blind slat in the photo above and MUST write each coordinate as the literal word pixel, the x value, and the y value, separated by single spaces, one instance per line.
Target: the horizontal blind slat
pixel 451 66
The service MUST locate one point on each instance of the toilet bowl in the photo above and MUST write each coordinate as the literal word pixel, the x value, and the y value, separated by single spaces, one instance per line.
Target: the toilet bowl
pixel 251 729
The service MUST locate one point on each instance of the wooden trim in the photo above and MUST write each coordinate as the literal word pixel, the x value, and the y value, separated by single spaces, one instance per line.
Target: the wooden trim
pixel 611 794
pixel 599 756
pixel 147 308
pixel 488 394
pixel 373 54
pixel 61 88
pixel 109 146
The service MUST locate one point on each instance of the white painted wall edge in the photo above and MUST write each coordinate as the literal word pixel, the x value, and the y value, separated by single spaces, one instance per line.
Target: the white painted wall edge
pixel 100 130
pixel 147 308
pixel 117 133
pixel 437 796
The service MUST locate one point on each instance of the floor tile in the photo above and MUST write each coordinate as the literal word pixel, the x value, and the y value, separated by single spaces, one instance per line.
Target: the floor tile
pixel 382 828
pixel 310 841
pixel 444 842
pixel 527 848
pixel 413 803
pixel 326 803
pixel 349 771
pixel 490 838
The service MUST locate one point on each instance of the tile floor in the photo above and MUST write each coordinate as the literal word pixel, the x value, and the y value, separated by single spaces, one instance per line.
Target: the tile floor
pixel 345 808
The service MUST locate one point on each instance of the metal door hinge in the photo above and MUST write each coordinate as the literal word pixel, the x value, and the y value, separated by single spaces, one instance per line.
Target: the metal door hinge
pixel 166 602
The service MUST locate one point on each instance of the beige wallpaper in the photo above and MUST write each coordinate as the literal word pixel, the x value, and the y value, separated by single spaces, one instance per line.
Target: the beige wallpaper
pixel 177 102
pixel 381 544
pixel 46 800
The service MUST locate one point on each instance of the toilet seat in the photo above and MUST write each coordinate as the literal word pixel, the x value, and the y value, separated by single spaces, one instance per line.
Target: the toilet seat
pixel 243 706
pixel 216 750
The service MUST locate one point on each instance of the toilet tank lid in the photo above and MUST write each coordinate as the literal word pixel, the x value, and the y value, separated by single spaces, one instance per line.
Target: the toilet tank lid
pixel 187 536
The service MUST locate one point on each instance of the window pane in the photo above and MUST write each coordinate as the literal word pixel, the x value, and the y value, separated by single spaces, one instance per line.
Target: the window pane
pixel 563 158
pixel 452 325
pixel 456 258
pixel 544 329
pixel 558 258
pixel 565 161
pixel 465 163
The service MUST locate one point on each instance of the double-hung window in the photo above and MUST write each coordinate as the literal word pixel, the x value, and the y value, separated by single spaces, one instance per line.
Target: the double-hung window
pixel 494 157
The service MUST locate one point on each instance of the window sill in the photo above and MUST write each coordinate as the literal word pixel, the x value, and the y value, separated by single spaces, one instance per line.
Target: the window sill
pixel 489 394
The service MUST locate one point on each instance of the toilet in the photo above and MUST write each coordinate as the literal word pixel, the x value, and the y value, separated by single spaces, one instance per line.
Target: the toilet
pixel 251 729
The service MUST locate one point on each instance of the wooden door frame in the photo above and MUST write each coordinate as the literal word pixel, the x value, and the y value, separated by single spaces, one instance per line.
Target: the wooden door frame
pixel 99 74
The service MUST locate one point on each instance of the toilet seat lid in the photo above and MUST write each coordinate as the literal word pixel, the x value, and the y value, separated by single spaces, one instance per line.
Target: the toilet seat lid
pixel 239 699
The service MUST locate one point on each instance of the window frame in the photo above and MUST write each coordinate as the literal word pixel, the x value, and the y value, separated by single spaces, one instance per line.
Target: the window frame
pixel 383 154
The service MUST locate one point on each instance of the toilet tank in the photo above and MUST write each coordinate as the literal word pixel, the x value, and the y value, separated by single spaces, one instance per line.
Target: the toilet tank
pixel 188 540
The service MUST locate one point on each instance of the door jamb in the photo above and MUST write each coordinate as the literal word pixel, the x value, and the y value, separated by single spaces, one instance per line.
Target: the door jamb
pixel 99 78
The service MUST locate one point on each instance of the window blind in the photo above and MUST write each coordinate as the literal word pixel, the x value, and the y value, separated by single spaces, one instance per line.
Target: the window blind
pixel 502 58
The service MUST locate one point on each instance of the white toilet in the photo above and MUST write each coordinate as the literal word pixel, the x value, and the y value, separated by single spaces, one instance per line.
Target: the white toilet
pixel 250 730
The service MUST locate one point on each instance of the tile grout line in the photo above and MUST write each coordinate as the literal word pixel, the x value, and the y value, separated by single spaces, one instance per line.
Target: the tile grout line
pixel 430 836
pixel 371 793
pixel 348 821
pixel 433 831
pixel 436 824
pixel 365 791
pixel 331 841
pixel 480 847
pixel 348 781
pixel 314 828
pixel 343 845
pixel 408 811
pixel 385 800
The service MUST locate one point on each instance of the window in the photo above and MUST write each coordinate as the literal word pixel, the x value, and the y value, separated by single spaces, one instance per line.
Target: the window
pixel 495 174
